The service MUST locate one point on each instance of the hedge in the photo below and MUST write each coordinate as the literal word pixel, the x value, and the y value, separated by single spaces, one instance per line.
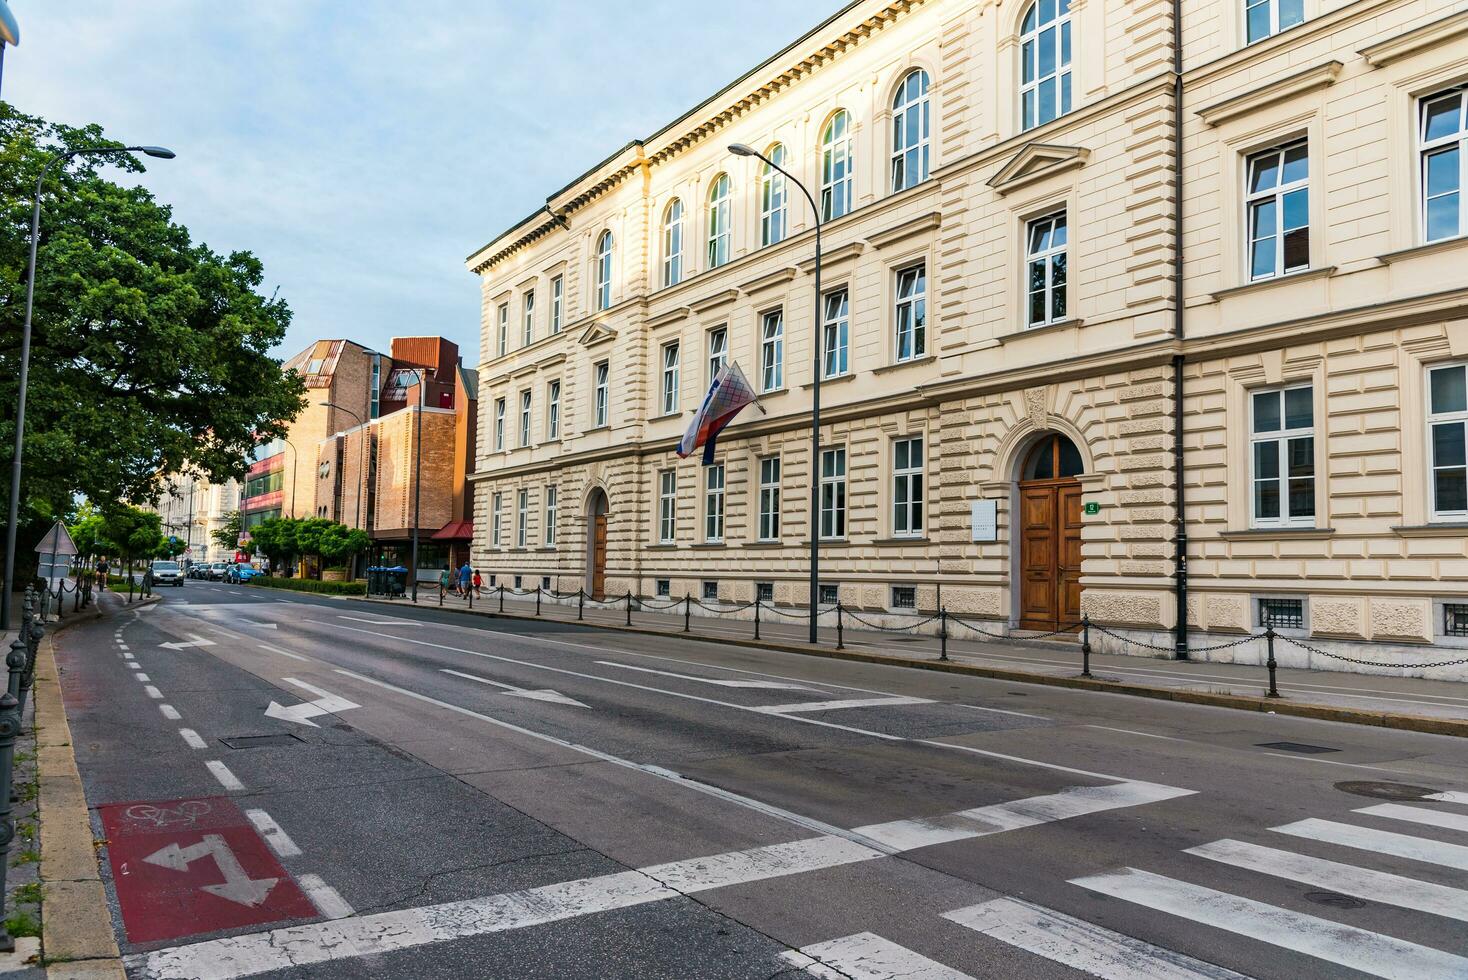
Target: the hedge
pixel 309 585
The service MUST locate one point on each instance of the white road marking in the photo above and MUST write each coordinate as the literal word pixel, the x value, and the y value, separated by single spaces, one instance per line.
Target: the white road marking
pixel 237 887
pixel 1328 762
pixel 278 839
pixel 804 706
pixel 170 712
pixel 192 738
pixel 757 685
pixel 1417 814
pixel 226 778
pixel 123 647
pixel 553 697
pixel 1348 946
pixel 326 703
pixel 1381 841
pixel 1452 796
pixel 259 624
pixel 131 664
pixel 153 692
pixel 383 622
pixel 194 641
pixel 283 653
pixel 1081 945
pixel 1128 731
pixel 760 863
pixel 324 897
pixel 867 956
pixel 1374 886
pixel 143 677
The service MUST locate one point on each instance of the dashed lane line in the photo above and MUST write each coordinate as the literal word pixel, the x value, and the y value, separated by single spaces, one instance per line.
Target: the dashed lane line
pixel 226 778
pixel 153 692
pixel 326 899
pixel 192 739
pixel 278 839
pixel 170 712
pixel 143 677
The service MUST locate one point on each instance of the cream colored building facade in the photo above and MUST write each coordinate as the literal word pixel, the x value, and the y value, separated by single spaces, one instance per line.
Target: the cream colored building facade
pixel 1025 334
pixel 192 508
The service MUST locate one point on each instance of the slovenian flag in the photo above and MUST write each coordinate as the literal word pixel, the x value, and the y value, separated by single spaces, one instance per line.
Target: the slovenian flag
pixel 729 393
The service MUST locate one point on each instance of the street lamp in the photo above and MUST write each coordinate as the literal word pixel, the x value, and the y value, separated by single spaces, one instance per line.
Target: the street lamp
pixel 9 32
pixel 361 467
pixel 417 478
pixel 741 150
pixel 12 518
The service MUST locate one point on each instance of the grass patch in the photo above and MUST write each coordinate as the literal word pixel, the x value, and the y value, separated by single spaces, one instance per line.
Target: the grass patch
pixel 21 924
pixel 309 585
pixel 27 894
pixel 28 857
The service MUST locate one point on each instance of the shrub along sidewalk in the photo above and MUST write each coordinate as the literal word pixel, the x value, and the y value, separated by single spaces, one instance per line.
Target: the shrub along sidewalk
pixel 309 585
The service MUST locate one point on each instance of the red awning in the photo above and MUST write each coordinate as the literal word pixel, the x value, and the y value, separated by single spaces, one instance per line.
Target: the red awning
pixel 454 531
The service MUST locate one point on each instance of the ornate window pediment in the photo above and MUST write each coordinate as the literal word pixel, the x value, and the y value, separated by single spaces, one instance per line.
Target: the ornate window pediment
pixel 1035 161
pixel 595 333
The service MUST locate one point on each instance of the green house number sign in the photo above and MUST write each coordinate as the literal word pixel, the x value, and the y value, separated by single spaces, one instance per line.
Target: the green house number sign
pixel 1092 508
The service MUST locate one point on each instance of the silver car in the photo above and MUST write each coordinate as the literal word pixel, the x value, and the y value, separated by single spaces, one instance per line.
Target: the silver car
pixel 167 573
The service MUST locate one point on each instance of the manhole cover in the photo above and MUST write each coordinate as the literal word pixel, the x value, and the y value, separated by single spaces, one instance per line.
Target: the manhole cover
pixel 261 741
pixel 1296 747
pixel 1386 791
pixel 1335 900
pixel 1017 694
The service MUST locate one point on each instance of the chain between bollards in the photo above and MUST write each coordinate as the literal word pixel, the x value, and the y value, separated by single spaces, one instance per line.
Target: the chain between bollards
pixel 943 633
pixel 1086 645
pixel 1269 662
pixel 687 613
pixel 840 628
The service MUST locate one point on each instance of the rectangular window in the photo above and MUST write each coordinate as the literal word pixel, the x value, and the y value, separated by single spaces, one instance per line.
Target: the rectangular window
pixel 833 493
pixel 529 324
pixel 518 580
pixel 829 595
pixel 1278 205
pixel 1265 18
pixel 670 379
pixel 912 312
pixel 1443 136
pixel 558 294
pixel 904 597
pixel 1282 614
pixel 667 506
pixel 769 498
pixel 494 519
pixel 1045 270
pixel 499 424
pixel 374 389
pixel 713 503
pixel 602 374
pixel 552 502
pixel 836 338
pixel 718 348
pixel 764 591
pixel 663 587
pixel 504 329
pixel 553 411
pixel 522 518
pixel 907 488
pixel 772 351
pixel 1455 619
pixel 710 591
pixel 1447 409
pixel 545 582
pixel 1282 456
pixel 524 418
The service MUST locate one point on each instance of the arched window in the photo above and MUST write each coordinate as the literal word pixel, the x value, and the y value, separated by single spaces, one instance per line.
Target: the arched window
pixel 772 196
pixel 836 167
pixel 718 252
pixel 1054 457
pixel 1045 62
pixel 910 131
pixel 673 243
pixel 603 277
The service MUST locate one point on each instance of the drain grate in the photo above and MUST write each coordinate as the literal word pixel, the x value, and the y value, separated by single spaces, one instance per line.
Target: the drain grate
pixel 1335 900
pixel 262 741
pixel 1386 791
pixel 1296 747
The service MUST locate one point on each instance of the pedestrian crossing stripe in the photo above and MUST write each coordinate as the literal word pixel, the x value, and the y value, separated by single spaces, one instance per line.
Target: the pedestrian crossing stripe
pixel 1380 841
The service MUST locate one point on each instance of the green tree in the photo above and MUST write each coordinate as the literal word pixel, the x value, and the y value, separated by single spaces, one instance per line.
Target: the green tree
pixel 151 352
pixel 339 543
pixel 227 535
pixel 86 532
pixel 131 533
pixel 275 538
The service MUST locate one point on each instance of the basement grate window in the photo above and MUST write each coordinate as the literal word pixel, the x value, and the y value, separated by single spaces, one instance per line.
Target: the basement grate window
pixel 1282 613
pixel 764 591
pixel 664 587
pixel 1455 619
pixel 904 597
pixel 829 594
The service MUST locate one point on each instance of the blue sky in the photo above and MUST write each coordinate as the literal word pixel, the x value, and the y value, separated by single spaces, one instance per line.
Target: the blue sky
pixel 362 149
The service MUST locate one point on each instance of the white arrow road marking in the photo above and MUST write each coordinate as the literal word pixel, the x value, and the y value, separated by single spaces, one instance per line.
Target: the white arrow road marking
pixel 325 704
pixel 193 641
pixel 759 685
pixel 238 886
pixel 546 694
pixel 261 625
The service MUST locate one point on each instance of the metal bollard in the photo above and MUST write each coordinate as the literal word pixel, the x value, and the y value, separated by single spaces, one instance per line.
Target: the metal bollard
pixel 129 588
pixel 1086 645
pixel 629 607
pixel 469 593
pixel 440 595
pixel 502 598
pixel 9 729
pixel 840 629
pixel 15 663
pixel 537 600
pixel 687 612
pixel 943 634
pixel 1269 643
pixel 580 604
pixel 33 646
pixel 756 617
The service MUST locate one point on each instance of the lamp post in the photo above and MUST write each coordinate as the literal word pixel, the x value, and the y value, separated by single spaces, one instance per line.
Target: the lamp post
pixel 9 32
pixel 361 469
pixel 739 149
pixel 417 478
pixel 13 517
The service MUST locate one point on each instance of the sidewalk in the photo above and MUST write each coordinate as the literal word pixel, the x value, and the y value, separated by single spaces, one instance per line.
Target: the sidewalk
pixel 1398 702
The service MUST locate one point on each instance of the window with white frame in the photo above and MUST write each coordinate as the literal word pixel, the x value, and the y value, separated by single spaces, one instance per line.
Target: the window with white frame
pixel 524 418
pixel 1044 62
pixel 719 221
pixel 558 299
pixel 907 487
pixel 772 350
pixel 910 131
pixel 718 351
pixel 522 517
pixel 836 166
pixel 833 493
pixel 601 375
pixel 773 196
pixel 496 502
pixel 769 498
pixel 713 503
pixel 1278 211
pixel 499 424
pixel 1282 456
pixel 667 506
pixel 912 312
pixel 553 411
pixel 836 340
pixel 602 278
pixel 673 243
pixel 1046 240
pixel 503 329
pixel 528 328
pixel 1444 139
pixel 1264 18
pixel 669 388
pixel 552 504
pixel 1447 407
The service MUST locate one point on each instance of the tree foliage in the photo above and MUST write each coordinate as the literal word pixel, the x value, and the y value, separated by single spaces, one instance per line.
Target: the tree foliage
pixel 283 538
pixel 227 535
pixel 132 533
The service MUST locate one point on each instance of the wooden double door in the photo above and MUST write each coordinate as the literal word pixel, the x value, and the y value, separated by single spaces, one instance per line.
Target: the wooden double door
pixel 598 556
pixel 1050 553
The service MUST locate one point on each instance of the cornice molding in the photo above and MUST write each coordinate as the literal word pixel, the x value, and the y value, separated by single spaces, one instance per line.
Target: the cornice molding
pixel 1309 80
pixel 833 257
pixel 721 298
pixel 674 315
pixel 1439 32
pixel 596 333
pixel 1037 161
pixel 769 281
pixel 917 226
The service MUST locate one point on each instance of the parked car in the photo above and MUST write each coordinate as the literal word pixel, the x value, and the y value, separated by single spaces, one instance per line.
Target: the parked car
pixel 217 570
pixel 241 573
pixel 194 569
pixel 167 573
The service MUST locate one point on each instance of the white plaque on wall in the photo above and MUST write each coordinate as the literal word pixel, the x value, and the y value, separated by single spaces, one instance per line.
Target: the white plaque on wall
pixel 985 520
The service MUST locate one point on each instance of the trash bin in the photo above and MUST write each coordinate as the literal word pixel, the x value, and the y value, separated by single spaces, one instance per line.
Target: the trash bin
pixel 374 580
pixel 395 580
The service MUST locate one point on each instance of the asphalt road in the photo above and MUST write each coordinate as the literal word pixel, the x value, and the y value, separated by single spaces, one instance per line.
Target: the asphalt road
pixel 440 797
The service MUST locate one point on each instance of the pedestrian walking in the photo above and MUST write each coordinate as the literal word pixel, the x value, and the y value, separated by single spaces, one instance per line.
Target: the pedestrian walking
pixel 478 583
pixel 466 576
pixel 443 580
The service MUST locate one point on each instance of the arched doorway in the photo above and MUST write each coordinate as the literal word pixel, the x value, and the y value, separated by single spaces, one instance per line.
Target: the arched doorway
pixel 1050 534
pixel 596 543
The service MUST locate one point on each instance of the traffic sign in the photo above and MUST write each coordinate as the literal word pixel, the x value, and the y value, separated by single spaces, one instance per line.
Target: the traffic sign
pixel 57 542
